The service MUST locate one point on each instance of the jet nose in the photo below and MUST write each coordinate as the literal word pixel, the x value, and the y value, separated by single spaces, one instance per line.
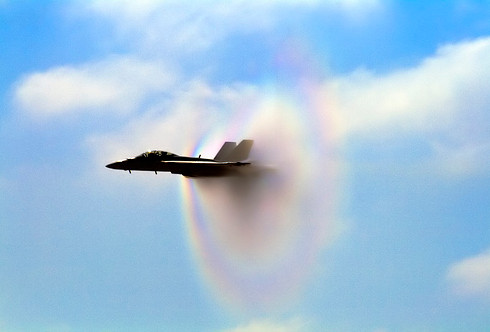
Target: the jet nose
pixel 114 165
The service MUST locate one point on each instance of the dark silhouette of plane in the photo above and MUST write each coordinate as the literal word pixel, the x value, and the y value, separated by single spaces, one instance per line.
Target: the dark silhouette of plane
pixel 228 161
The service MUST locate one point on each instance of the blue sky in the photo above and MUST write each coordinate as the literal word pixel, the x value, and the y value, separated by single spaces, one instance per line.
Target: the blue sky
pixel 374 113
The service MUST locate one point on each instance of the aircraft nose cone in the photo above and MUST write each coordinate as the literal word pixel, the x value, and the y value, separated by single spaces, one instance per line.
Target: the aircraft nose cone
pixel 113 165
pixel 121 164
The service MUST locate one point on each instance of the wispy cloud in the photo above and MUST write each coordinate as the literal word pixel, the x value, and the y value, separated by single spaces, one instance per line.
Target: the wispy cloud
pixel 116 84
pixel 293 325
pixel 471 276
pixel 461 160
pixel 193 26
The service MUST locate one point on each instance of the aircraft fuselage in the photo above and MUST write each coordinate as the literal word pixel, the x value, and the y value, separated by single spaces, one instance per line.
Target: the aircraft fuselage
pixel 162 161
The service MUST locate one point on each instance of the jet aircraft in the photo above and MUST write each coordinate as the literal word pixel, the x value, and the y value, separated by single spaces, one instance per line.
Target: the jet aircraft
pixel 228 161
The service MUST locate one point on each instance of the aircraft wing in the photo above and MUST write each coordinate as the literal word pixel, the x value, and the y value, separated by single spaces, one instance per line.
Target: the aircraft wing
pixel 197 168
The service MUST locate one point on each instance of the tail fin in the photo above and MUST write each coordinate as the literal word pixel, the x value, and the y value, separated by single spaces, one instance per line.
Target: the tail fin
pixel 241 152
pixel 225 150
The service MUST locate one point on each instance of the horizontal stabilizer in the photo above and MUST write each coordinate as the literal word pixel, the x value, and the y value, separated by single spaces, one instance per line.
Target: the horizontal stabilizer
pixel 225 150
pixel 241 151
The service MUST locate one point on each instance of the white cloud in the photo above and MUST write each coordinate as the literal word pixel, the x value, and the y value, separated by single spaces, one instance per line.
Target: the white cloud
pixel 293 325
pixel 182 26
pixel 471 276
pixel 117 84
pixel 450 86
pixel 443 101
pixel 191 26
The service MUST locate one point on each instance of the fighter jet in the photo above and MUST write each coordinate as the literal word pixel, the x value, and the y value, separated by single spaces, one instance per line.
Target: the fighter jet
pixel 228 161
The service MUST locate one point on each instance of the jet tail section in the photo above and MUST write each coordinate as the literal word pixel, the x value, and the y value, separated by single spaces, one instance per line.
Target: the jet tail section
pixel 225 150
pixel 241 152
pixel 232 152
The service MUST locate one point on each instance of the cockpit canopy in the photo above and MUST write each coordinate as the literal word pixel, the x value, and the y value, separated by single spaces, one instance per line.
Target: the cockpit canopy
pixel 156 153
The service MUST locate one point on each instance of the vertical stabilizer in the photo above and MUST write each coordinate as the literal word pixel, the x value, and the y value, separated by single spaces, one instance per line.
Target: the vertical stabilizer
pixel 241 152
pixel 225 150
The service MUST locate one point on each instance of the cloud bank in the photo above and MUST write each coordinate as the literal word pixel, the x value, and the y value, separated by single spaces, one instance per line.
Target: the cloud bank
pixel 435 95
pixel 115 85
pixel 443 100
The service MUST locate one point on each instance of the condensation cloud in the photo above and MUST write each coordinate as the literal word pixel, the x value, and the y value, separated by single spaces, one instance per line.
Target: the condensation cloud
pixel 256 237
